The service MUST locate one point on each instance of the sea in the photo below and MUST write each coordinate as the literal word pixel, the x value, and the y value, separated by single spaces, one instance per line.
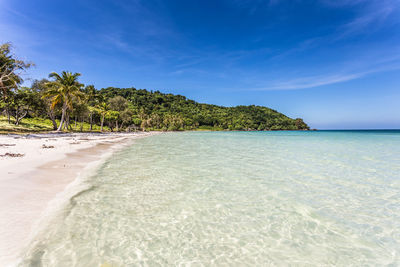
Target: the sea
pixel 284 198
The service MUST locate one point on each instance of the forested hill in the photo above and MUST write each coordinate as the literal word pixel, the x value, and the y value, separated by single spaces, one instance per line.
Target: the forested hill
pixel 65 102
pixel 156 110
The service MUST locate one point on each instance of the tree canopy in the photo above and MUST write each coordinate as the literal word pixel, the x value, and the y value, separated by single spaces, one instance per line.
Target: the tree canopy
pixel 156 110
pixel 10 77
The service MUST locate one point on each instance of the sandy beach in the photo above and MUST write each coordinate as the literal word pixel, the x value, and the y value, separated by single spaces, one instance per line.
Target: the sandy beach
pixel 36 170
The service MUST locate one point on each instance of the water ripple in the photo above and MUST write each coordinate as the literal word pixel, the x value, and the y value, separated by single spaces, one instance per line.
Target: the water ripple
pixel 236 199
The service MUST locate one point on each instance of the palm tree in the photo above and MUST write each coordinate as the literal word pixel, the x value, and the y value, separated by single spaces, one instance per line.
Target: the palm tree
pixel 104 108
pixel 10 74
pixel 91 93
pixel 64 89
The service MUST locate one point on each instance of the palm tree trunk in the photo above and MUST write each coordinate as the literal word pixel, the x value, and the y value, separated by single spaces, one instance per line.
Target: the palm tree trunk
pixel 91 121
pixel 5 99
pixel 20 117
pixel 102 122
pixel 8 113
pixel 67 122
pixel 81 128
pixel 65 126
pixel 64 109
pixel 54 123
pixel 51 115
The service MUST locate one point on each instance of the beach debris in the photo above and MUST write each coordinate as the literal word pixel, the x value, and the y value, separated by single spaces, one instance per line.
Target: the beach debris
pixel 45 146
pixel 12 155
pixel 7 144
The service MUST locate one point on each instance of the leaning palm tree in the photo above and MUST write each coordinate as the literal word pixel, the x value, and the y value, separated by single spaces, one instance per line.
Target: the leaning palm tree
pixel 64 89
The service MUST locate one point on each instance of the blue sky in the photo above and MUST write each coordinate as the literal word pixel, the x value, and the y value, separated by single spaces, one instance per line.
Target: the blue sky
pixel 335 63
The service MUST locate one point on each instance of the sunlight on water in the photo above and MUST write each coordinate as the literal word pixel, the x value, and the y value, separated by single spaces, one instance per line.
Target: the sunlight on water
pixel 234 199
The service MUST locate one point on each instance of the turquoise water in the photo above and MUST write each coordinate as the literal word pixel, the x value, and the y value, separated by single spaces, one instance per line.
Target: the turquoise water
pixel 236 199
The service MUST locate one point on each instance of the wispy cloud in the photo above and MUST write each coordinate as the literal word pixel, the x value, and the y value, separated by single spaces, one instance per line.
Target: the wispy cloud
pixel 370 18
pixel 151 39
pixel 143 38
pixel 218 57
pixel 313 81
pixel 339 3
pixel 365 60
pixel 304 82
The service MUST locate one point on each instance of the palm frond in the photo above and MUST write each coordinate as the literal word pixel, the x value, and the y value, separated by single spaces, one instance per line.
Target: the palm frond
pixel 56 100
pixel 55 75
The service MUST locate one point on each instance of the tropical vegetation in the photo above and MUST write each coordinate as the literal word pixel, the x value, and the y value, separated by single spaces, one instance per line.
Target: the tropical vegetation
pixel 66 104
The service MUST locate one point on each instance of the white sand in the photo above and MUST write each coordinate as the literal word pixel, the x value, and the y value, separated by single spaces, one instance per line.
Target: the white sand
pixel 29 183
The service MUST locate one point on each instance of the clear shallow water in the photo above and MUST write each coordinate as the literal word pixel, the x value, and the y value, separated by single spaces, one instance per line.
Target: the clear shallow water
pixel 236 199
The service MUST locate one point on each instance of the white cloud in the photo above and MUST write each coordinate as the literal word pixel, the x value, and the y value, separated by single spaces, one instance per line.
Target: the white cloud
pixel 370 18
pixel 305 82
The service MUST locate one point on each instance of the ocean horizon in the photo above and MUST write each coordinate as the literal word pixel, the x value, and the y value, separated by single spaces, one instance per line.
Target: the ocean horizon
pixel 325 197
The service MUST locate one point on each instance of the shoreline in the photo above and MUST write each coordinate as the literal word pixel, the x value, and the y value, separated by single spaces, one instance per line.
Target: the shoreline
pixel 38 173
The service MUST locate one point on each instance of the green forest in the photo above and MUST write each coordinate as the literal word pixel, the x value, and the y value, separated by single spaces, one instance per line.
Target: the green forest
pixel 69 105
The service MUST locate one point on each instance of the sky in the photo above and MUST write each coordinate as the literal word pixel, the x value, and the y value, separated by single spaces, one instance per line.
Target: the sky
pixel 334 63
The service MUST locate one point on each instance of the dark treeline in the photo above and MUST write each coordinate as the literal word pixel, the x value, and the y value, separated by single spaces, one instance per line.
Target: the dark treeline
pixel 64 100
